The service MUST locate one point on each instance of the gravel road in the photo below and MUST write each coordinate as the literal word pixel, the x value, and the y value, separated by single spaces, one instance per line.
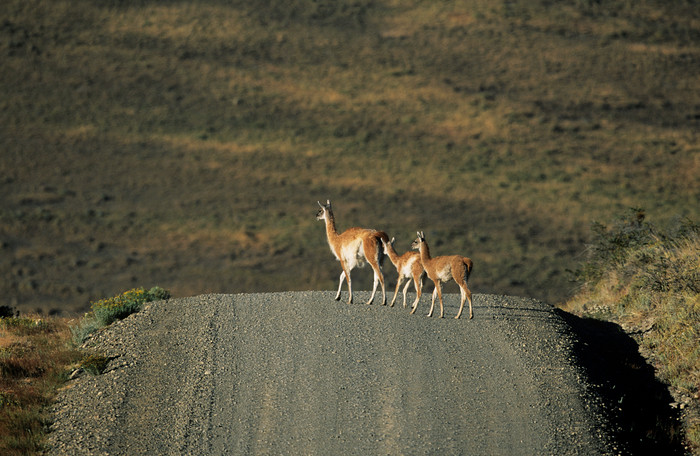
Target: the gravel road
pixel 299 373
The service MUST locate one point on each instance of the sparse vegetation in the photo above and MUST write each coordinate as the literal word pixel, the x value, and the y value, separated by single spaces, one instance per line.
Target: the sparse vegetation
pixel 138 136
pixel 87 325
pixel 94 363
pixel 34 361
pixel 108 310
pixel 36 357
pixel 121 306
pixel 648 280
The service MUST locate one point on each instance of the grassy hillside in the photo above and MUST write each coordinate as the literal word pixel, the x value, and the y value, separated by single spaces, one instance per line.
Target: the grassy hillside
pixel 186 143
pixel 647 280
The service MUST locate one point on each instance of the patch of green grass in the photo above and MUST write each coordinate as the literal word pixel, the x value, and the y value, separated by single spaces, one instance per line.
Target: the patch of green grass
pixel 647 279
pixel 87 325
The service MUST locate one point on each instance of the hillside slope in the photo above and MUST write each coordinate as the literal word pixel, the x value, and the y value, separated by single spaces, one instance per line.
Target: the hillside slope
pixel 185 144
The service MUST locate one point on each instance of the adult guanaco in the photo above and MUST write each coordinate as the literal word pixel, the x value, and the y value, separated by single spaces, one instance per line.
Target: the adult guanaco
pixel 352 248
pixel 408 266
pixel 442 269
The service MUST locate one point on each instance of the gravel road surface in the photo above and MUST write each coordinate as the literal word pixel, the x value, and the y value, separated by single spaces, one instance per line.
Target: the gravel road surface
pixel 301 374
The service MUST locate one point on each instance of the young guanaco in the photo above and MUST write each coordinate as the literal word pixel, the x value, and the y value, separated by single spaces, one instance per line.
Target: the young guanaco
pixel 442 269
pixel 408 266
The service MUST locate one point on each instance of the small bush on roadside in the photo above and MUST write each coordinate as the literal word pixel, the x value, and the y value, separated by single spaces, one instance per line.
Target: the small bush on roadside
pixel 611 246
pixel 107 311
pixel 158 294
pixel 86 326
pixel 121 306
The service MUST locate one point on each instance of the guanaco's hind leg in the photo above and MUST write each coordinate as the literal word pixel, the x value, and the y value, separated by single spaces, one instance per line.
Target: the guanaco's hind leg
pixel 464 291
pixel 466 295
pixel 340 285
pixel 372 256
pixel 374 290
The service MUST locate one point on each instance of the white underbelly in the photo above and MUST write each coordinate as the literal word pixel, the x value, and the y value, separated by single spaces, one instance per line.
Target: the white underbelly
pixel 352 254
pixel 445 273
pixel 406 269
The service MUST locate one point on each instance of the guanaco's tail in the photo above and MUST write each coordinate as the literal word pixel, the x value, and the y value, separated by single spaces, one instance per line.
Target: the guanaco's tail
pixel 469 264
pixel 381 235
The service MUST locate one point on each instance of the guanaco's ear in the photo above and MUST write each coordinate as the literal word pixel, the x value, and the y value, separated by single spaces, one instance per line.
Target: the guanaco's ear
pixel 392 240
pixel 319 203
pixel 328 203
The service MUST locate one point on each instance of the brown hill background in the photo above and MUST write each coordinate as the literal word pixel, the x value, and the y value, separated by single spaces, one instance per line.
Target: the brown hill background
pixel 185 144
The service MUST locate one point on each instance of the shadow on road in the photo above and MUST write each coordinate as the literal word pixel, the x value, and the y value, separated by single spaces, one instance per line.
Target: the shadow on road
pixel 639 405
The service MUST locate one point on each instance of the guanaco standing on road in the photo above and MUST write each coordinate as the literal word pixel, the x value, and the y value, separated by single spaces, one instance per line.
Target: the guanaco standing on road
pixel 408 266
pixel 352 248
pixel 442 269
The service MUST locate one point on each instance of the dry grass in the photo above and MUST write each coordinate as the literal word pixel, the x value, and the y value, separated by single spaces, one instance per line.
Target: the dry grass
pixel 36 355
pixel 34 361
pixel 648 281
pixel 186 144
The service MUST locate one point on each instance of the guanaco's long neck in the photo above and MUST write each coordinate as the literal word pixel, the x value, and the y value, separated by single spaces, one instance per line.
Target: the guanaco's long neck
pixel 393 256
pixel 424 252
pixel 331 232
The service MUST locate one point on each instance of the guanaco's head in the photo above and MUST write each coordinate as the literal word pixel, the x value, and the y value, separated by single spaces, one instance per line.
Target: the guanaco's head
pixel 325 209
pixel 388 244
pixel 416 244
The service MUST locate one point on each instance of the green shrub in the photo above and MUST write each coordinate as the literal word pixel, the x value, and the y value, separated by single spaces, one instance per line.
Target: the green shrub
pixel 86 326
pixel 118 307
pixel 108 310
pixel 121 306
pixel 158 294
